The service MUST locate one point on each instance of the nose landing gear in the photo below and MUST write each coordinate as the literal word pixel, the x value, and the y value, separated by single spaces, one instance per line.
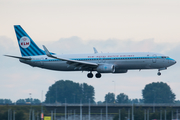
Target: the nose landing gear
pixel 159 73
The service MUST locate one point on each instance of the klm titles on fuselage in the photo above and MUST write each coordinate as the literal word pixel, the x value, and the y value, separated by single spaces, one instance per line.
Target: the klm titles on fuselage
pixel 110 56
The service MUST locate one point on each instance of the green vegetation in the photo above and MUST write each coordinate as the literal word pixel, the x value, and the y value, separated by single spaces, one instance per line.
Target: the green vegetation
pixel 109 98
pixel 158 93
pixel 21 112
pixel 71 91
pixel 75 92
pixel 28 100
pixel 122 98
pixel 5 101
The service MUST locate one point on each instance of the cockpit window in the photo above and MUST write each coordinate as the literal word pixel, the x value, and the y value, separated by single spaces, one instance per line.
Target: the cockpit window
pixel 165 56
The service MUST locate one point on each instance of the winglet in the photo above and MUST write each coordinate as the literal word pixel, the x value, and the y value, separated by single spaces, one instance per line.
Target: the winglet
pixel 47 52
pixel 95 51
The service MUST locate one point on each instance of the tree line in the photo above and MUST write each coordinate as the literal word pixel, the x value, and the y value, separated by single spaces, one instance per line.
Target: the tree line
pixel 66 91
pixel 120 98
pixel 21 101
pixel 152 93
pixel 70 92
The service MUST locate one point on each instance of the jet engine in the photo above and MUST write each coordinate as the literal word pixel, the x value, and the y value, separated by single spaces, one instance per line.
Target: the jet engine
pixel 106 68
pixel 120 71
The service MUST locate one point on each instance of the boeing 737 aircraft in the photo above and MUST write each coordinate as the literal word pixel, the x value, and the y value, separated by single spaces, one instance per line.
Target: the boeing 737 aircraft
pixel 100 62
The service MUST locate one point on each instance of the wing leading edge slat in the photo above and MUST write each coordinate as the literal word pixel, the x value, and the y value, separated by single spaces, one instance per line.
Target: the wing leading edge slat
pixel 71 62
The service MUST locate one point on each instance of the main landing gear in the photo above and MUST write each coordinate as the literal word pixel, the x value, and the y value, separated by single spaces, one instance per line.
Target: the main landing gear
pixel 90 75
pixel 98 75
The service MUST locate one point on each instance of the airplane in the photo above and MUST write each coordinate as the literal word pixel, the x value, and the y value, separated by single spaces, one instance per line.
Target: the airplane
pixel 99 62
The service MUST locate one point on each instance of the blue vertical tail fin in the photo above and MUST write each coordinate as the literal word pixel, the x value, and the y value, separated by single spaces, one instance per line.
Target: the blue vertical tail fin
pixel 26 44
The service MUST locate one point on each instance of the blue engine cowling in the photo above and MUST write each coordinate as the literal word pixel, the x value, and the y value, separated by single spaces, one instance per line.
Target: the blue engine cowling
pixel 106 68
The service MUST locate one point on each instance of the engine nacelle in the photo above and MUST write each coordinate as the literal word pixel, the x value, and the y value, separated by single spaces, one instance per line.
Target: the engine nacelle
pixel 120 71
pixel 106 68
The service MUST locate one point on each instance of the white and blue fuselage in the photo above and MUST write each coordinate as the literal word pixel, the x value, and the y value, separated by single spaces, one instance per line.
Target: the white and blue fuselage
pixel 100 62
pixel 122 62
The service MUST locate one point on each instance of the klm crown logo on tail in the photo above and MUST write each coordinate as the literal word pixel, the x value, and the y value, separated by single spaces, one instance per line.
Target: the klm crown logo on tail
pixel 26 44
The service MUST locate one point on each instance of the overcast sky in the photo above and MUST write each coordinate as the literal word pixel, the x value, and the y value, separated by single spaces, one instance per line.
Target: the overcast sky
pixel 67 26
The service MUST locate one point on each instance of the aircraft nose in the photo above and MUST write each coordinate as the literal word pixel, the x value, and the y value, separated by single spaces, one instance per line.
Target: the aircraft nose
pixel 173 62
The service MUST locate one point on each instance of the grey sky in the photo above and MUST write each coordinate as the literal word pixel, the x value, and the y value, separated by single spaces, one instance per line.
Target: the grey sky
pixel 19 79
pixel 67 26
pixel 93 19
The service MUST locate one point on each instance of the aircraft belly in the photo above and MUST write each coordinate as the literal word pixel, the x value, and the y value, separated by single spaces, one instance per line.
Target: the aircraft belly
pixel 132 64
pixel 60 66
pixel 53 65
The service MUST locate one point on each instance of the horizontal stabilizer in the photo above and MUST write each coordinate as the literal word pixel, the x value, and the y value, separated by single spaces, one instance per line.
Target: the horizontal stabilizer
pixel 23 58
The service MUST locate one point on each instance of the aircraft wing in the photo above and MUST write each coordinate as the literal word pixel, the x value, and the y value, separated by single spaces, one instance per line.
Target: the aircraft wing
pixel 23 58
pixel 78 64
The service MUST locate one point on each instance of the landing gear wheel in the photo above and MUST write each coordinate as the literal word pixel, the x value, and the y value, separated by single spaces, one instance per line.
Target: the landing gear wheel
pixel 98 75
pixel 89 75
pixel 159 73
